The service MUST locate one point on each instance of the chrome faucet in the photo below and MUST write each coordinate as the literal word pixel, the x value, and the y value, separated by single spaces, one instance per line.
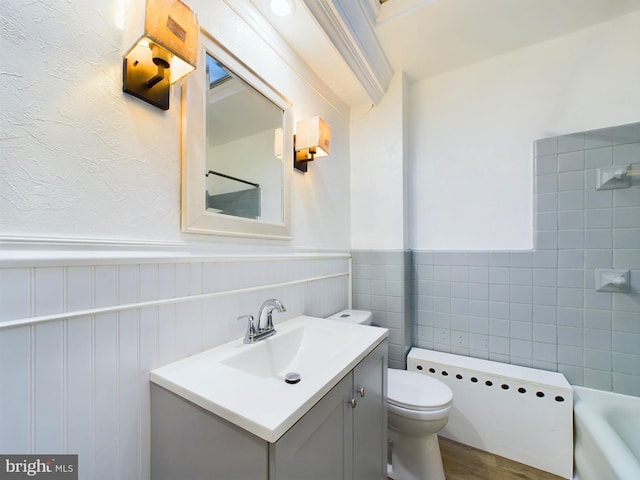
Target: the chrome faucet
pixel 255 330
pixel 266 310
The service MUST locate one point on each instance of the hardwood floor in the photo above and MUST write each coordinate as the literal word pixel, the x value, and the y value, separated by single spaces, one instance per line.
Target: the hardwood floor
pixel 462 462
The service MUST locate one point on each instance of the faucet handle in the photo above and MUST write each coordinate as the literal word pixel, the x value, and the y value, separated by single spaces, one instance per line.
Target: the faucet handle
pixel 251 328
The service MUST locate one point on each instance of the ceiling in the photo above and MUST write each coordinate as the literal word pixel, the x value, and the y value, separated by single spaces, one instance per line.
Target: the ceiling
pixel 428 37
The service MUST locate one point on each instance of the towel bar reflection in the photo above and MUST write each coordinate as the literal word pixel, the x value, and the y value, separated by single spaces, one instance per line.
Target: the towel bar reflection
pixel 224 175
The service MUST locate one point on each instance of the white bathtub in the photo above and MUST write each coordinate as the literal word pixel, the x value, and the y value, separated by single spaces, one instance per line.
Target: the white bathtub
pixel 607 435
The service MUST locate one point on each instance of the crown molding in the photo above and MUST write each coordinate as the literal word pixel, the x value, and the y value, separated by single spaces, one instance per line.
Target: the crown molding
pixel 349 26
pixel 254 19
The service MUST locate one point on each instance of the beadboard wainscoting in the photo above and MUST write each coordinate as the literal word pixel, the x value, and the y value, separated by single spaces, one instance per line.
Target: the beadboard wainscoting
pixel 80 329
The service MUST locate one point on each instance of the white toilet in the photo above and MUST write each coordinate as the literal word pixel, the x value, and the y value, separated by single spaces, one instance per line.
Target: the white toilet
pixel 418 408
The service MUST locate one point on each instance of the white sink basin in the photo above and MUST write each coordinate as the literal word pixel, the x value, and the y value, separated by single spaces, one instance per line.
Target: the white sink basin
pixel 304 350
pixel 245 385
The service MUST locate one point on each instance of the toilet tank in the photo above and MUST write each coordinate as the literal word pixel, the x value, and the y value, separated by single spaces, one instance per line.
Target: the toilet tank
pixel 361 317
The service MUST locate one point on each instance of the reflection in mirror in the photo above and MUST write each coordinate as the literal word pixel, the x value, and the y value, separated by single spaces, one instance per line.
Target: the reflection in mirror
pixel 237 150
pixel 244 176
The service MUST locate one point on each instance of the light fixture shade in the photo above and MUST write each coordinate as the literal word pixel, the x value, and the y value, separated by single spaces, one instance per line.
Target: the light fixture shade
pixel 163 40
pixel 173 26
pixel 314 135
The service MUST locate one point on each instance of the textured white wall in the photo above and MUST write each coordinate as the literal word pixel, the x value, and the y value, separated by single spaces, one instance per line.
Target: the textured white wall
pixel 81 159
pixel 378 166
pixel 472 129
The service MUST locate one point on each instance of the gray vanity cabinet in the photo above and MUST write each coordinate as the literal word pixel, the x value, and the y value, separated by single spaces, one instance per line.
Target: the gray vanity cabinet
pixel 370 416
pixel 342 437
pixel 320 444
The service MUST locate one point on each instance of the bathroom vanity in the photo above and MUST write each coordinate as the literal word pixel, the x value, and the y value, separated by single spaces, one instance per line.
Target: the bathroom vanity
pixel 213 417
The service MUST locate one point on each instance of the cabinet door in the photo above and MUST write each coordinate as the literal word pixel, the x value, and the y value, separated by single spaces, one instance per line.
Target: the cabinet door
pixel 189 443
pixel 320 445
pixel 370 416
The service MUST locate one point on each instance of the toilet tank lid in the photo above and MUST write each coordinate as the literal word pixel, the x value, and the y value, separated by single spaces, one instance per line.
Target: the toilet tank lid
pixel 361 317
pixel 417 391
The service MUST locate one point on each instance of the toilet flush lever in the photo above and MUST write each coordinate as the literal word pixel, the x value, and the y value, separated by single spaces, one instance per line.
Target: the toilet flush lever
pixel 361 392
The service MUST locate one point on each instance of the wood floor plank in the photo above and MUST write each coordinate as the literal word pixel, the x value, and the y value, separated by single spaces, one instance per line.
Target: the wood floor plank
pixel 462 462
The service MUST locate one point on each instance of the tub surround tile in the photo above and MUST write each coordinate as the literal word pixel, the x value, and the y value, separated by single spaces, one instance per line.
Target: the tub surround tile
pixel 535 308
pixel 571 142
pixel 627 197
pixel 546 352
pixel 571 180
pixel 544 333
pixel 545 146
pixel 602 137
pixel 541 307
pixel 500 259
pixel 598 157
pixel 626 133
pixel 569 162
pixel 569 220
pixel 626 154
pixel 598 379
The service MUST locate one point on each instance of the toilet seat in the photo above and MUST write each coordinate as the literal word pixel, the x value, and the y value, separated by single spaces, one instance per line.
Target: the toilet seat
pixel 417 392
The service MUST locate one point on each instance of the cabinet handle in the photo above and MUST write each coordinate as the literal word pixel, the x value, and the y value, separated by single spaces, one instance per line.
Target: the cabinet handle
pixel 353 403
pixel 361 392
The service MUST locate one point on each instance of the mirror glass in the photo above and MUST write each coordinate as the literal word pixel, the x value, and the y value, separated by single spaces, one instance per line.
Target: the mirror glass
pixel 244 148
pixel 237 136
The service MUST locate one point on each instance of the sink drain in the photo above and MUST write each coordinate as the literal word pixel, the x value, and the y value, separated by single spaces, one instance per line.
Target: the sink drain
pixel 292 378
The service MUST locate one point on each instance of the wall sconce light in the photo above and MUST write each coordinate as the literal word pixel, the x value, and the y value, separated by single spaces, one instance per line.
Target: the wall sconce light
pixel 165 49
pixel 312 139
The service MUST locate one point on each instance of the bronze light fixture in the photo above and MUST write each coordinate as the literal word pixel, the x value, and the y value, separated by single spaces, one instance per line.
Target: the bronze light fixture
pixel 312 139
pixel 165 49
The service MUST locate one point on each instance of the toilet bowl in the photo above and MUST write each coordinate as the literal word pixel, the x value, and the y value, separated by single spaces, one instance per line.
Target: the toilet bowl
pixel 417 408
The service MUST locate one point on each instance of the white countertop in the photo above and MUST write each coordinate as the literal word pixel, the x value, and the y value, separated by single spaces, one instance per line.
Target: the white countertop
pixel 263 404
